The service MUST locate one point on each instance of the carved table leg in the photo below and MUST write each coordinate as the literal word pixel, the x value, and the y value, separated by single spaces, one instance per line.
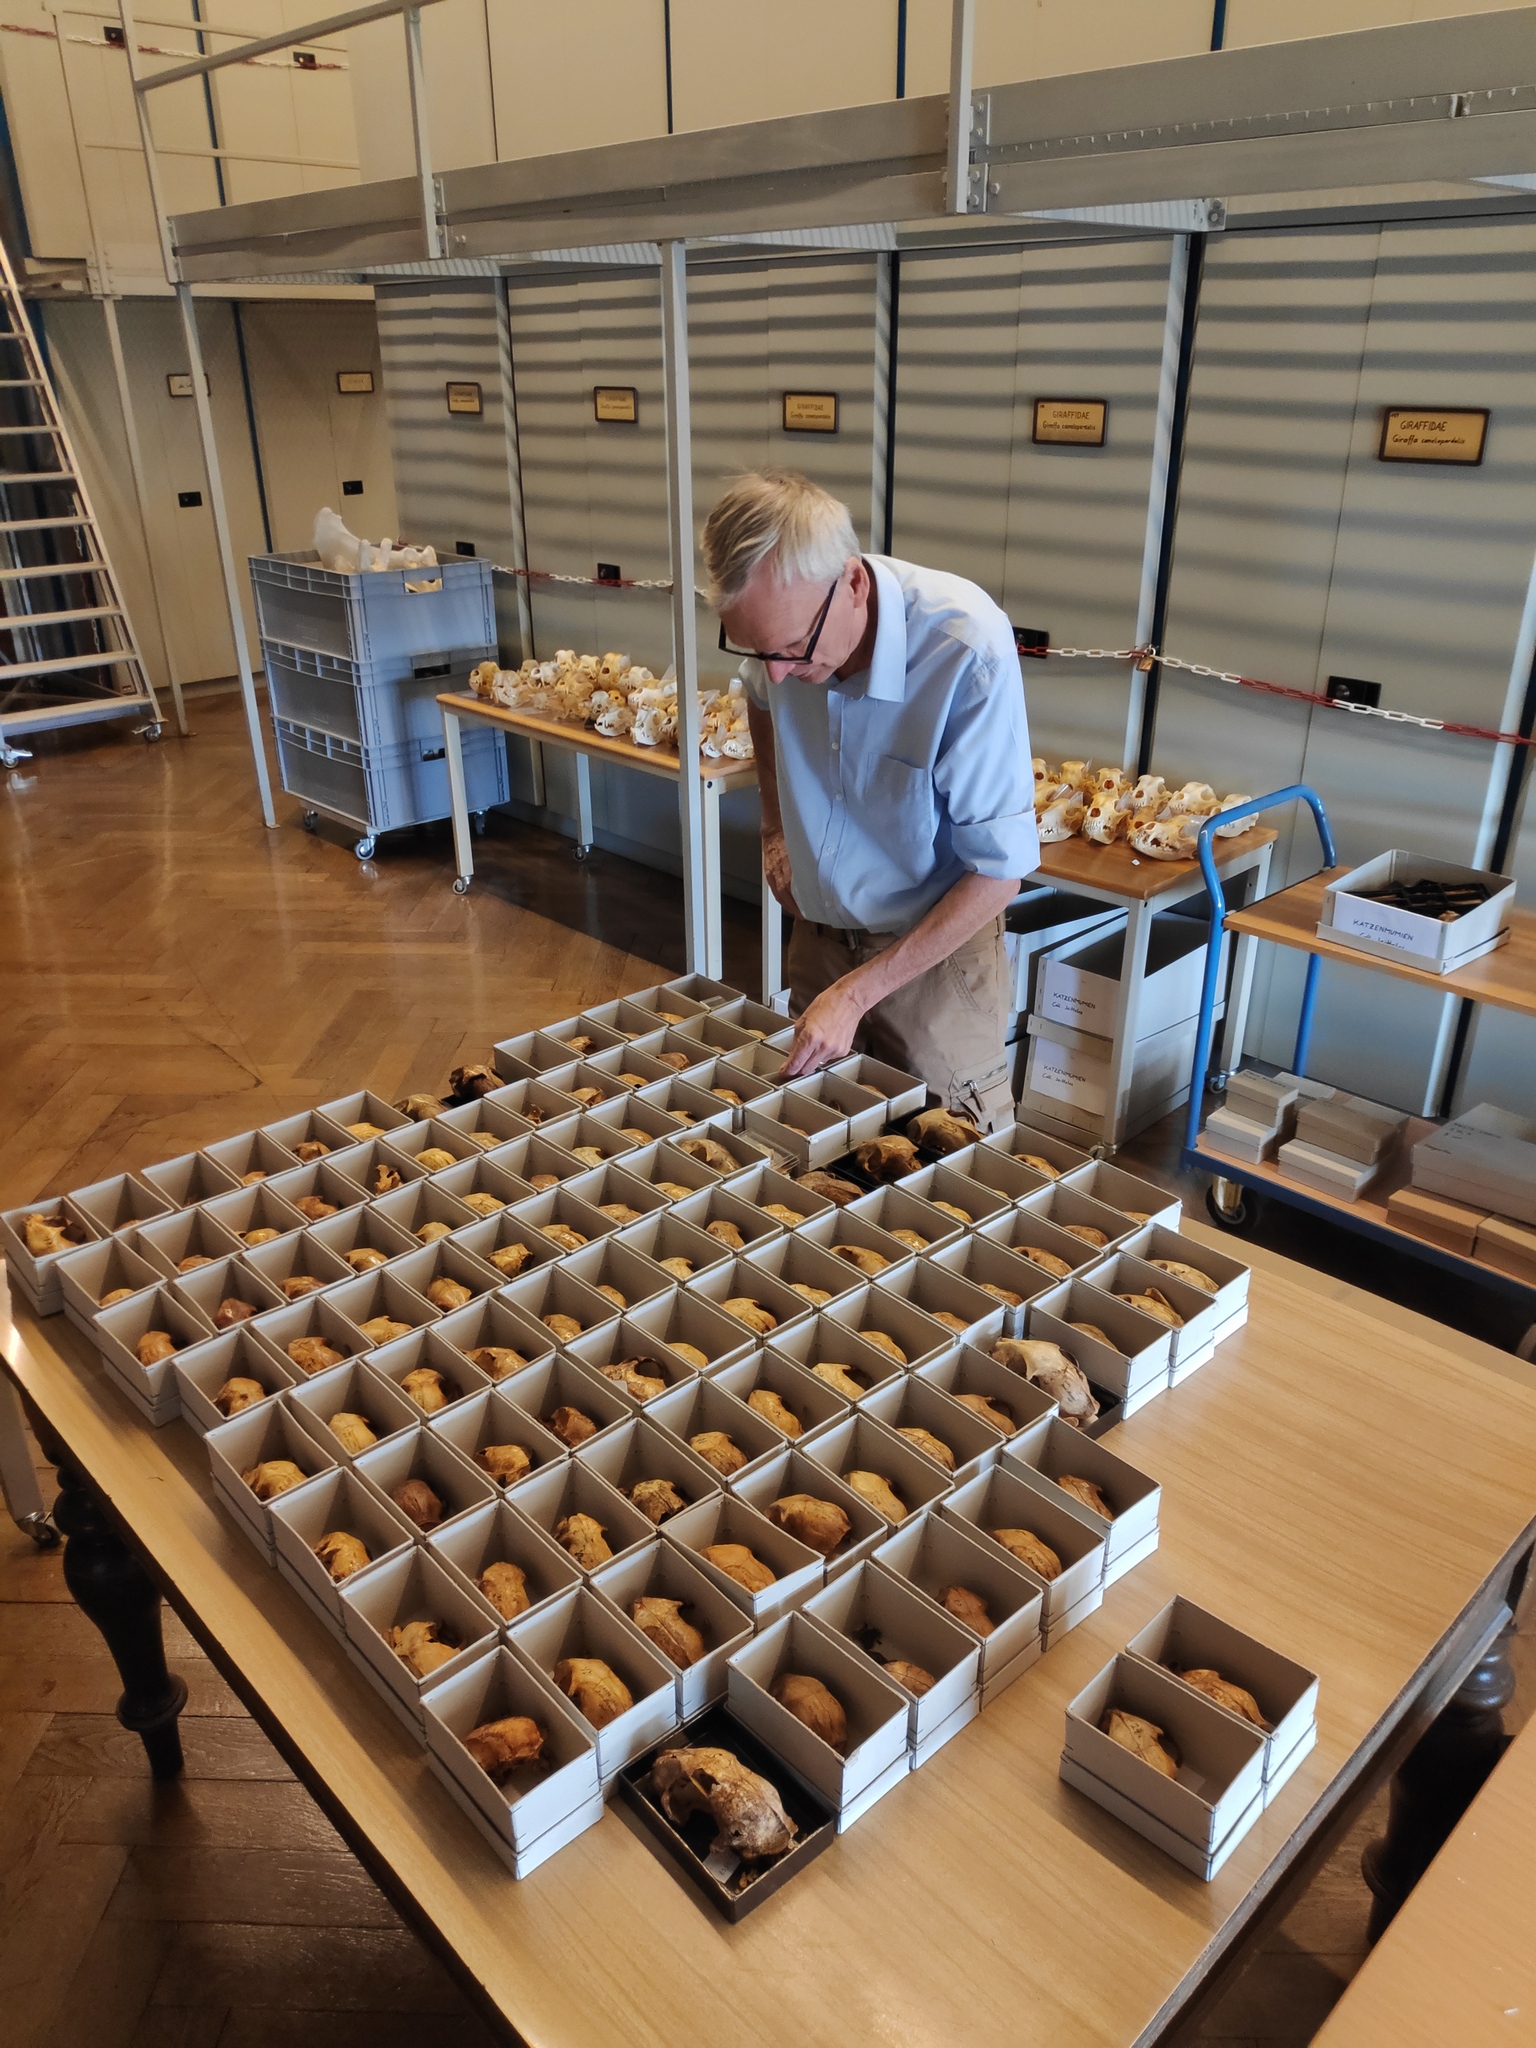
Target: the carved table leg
pixel 113 1590
pixel 1443 1774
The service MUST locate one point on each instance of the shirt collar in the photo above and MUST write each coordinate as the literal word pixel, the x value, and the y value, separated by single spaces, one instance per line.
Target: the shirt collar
pixel 885 680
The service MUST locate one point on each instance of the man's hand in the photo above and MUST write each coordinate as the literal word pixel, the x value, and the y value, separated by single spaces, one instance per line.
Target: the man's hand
pixel 776 869
pixel 824 1031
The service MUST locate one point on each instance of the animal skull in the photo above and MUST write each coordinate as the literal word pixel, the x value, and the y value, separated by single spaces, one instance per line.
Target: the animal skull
pixel 1061 819
pixel 1167 838
pixel 1234 827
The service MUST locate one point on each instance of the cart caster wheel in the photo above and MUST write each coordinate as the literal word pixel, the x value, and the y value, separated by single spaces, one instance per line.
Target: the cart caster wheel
pixel 1230 1205
pixel 477 819
pixel 150 733
pixel 364 848
pixel 311 821
pixel 461 885
pixel 42 1531
pixel 580 852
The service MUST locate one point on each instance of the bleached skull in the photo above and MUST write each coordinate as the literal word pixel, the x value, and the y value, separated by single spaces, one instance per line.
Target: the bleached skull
pixel 1148 795
pixel 1234 827
pixel 1168 838
pixel 738 747
pixel 1195 799
pixel 1061 819
pixel 646 731
pixel 617 720
pixel 1103 821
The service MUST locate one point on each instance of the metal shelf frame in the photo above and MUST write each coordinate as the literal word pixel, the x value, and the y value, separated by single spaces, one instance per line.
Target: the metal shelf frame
pixel 1426 119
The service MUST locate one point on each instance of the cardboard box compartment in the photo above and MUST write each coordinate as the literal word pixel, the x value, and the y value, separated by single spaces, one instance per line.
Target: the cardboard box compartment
pixel 1068 1072
pixel 664 1572
pixel 937 1555
pixel 1354 919
pixel 1230 1275
pixel 699 1406
pixel 331 1502
pixel 578 1624
pixel 863 1444
pixel 968 1311
pixel 1021 1140
pixel 876 1711
pixel 419 1454
pixel 413 1586
pixel 971 1373
pixel 792 1472
pixel 1133 1498
pixel 912 1403
pixel 1143 1201
pixel 1000 1499
pixel 1125 1274
pixel 537 1800
pixel 1040 920
pixel 1080 984
pixel 1134 1360
pixel 202 1369
pixel 548 1497
pixel 268 1431
pixel 1486 1155
pixel 495 1533
pixel 727 1886
pixel 1183 1636
pixel 1221 1761
pixel 884 1620
pixel 1204 1863
pixel 810 1401
pixel 352 1388
pixel 725 1518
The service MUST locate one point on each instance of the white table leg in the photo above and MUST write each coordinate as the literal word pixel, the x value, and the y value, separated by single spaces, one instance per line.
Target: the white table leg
pixel 773 944
pixel 18 1480
pixel 536 768
pixel 463 854
pixel 584 826
pixel 1122 1058
pixel 714 942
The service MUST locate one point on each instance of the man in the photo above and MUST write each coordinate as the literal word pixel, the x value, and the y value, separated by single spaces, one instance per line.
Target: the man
pixel 897 791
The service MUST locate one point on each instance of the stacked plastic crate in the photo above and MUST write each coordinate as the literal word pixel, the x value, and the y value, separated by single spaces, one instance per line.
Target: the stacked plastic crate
pixel 354 666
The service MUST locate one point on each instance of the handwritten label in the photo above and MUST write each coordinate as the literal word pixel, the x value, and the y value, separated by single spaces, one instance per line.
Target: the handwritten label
pixel 810 412
pixel 463 398
pixel 1071 422
pixel 357 382
pixel 1424 434
pixel 616 404
pixel 1404 930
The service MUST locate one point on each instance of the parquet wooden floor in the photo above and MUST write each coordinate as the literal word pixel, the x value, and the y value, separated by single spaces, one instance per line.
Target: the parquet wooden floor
pixel 174 972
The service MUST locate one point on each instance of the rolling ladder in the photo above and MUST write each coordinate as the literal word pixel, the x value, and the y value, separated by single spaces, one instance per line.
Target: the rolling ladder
pixel 68 655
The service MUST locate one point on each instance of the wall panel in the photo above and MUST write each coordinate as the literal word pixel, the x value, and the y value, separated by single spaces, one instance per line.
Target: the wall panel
pixel 735 60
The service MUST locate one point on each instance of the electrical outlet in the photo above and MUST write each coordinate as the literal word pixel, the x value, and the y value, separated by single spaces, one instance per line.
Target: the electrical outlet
pixel 464 547
pixel 1033 640
pixel 352 487
pixel 608 572
pixel 189 498
pixel 1351 690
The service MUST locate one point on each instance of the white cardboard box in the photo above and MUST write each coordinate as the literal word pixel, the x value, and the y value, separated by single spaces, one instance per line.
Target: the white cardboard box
pixel 1221 1770
pixel 938 1553
pixel 725 1518
pixel 1204 1863
pixel 1329 1172
pixel 1080 984
pixel 495 1533
pixel 333 1501
pixel 1133 1364
pixel 792 1471
pixel 265 1432
pixel 1068 1072
pixel 666 1572
pixel 1134 1498
pixel 1040 920
pixel 578 1624
pixel 1486 1156
pixel 883 1619
pixel 412 1586
pixel 876 1711
pixel 1182 1635
pixel 1354 920
pixel 1000 1499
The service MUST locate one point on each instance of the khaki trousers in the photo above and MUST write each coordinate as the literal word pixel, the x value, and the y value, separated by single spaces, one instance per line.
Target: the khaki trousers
pixel 947 1026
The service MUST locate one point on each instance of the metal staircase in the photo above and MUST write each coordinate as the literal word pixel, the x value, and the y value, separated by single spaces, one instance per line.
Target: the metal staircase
pixel 68 655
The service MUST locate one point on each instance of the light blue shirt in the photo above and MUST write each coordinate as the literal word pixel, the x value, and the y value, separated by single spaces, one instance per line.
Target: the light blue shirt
pixel 913 773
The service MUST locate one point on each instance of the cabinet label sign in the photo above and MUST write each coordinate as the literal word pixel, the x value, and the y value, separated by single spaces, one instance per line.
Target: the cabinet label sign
pixel 463 398
pixel 179 383
pixel 1071 422
pixel 354 380
pixel 616 404
pixel 1427 434
pixel 810 412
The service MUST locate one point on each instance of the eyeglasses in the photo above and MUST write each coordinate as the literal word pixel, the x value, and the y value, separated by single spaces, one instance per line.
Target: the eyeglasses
pixel 756 654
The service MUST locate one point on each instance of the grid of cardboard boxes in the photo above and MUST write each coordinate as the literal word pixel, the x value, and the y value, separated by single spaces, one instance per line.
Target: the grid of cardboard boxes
pixel 647 1428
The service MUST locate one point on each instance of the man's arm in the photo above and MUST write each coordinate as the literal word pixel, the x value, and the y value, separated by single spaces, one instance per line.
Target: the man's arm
pixel 775 853
pixel 825 1030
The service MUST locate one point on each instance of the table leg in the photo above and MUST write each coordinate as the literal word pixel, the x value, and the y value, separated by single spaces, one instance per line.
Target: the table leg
pixel 18 1481
pixel 1443 1775
pixel 463 854
pixel 714 940
pixel 584 827
pixel 113 1590
pixel 536 770
pixel 773 944
pixel 1122 1058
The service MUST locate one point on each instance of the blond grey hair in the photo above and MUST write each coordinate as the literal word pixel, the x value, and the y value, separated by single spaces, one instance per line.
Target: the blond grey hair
pixel 777 517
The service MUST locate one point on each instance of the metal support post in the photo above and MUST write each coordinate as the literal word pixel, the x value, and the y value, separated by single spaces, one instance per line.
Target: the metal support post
pixel 584 825
pixel 1122 1058
pixel 1157 488
pixel 416 72
pixel 226 548
pixel 141 499
pixel 962 53
pixel 703 957
pixel 147 138
pixel 458 800
pixel 773 944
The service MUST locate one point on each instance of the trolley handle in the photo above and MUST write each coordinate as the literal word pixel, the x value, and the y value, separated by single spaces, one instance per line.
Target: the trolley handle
pixel 1295 792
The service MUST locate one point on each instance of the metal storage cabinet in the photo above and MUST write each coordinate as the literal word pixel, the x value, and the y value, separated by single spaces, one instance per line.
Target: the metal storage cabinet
pixel 381 789
pixel 377 614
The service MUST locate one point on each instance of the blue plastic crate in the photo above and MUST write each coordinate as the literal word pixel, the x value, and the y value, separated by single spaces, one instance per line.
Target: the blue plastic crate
pixel 382 789
pixel 377 703
pixel 376 614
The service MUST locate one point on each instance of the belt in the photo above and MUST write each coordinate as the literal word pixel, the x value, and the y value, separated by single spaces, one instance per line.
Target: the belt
pixel 851 936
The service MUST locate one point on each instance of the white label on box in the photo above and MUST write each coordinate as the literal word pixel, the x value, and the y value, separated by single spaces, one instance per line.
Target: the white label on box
pixel 1068 1074
pixel 1401 928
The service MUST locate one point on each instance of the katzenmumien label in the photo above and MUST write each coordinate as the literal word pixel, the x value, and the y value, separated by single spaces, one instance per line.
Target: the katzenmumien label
pixel 810 412
pixel 616 404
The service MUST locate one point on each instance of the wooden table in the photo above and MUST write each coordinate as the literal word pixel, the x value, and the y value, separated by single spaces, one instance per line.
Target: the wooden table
pixel 1315 1492
pixel 1118 874
pixel 1458 1964
pixel 701 893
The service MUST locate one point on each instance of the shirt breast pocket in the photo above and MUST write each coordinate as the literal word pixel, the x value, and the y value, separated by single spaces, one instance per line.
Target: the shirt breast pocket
pixel 900 815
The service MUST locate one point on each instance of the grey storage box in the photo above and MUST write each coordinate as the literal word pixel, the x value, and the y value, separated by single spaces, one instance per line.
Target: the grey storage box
pixel 377 703
pixel 381 789
pixel 365 617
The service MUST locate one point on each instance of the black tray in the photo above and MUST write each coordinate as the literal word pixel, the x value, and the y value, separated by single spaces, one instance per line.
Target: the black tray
pixel 685 1848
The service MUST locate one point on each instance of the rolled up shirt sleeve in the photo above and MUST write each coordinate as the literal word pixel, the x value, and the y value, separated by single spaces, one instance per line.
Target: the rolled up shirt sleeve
pixel 984 774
